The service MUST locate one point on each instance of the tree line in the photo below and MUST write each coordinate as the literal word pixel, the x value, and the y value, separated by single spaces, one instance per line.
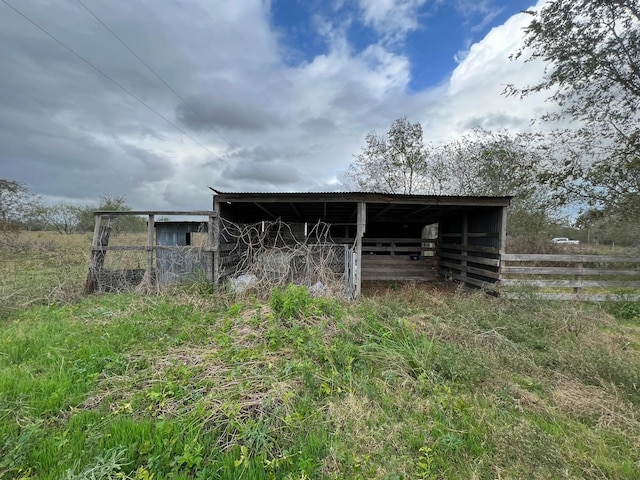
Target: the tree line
pixel 22 209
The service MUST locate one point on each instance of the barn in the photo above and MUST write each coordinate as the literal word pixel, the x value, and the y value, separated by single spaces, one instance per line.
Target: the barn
pixel 374 236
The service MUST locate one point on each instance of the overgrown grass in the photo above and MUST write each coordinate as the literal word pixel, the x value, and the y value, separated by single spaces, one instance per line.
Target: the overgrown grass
pixel 411 383
pixel 42 268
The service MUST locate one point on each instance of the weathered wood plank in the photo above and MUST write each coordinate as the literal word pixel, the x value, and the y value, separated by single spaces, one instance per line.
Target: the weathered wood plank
pixel 402 260
pixel 400 278
pixel 396 271
pixel 468 269
pixel 471 281
pixel 568 271
pixel 368 240
pixel 111 213
pixel 368 248
pixel 493 262
pixel 468 248
pixel 182 248
pixel 596 297
pixel 522 257
pixel 569 283
pixel 482 234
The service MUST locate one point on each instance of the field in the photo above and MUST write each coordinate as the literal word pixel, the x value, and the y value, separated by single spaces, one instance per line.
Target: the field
pixel 409 382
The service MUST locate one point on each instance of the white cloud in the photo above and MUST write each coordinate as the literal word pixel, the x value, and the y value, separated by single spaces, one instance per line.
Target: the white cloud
pixel 392 19
pixel 473 96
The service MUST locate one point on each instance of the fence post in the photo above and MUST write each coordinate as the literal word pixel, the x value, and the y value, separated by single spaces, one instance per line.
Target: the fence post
pixel 151 280
pixel 577 290
pixel 100 240
pixel 214 246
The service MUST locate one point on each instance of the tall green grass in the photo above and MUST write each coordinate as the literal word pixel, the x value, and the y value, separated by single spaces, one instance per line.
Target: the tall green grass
pixel 412 383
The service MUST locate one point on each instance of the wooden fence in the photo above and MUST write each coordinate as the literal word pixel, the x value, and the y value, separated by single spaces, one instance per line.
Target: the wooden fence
pixel 568 277
pixel 471 265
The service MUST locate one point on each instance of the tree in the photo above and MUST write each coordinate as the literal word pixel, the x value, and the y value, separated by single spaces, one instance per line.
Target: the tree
pixel 392 163
pixel 65 218
pixel 111 203
pixel 592 54
pixel 489 163
pixel 18 204
pixel 500 163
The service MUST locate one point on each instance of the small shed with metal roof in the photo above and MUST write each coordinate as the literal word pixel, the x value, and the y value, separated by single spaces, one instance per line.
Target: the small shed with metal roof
pixel 384 236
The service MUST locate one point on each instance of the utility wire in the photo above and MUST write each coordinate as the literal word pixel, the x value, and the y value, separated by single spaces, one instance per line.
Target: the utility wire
pixel 128 92
pixel 157 75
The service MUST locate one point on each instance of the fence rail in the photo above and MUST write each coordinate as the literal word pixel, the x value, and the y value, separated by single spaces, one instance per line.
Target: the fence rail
pixel 563 277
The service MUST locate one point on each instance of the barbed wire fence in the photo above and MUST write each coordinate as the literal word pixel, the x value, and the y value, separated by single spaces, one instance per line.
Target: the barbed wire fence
pixel 262 256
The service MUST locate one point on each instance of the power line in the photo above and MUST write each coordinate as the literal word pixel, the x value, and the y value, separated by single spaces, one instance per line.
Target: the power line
pixel 128 92
pixel 157 75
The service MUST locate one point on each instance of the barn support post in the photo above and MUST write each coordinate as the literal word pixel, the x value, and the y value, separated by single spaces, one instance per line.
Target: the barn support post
pixel 503 232
pixel 361 229
pixel 465 246
pixel 502 241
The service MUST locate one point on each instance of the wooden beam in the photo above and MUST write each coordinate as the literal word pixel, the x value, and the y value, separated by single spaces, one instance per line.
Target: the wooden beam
pixel 265 210
pixel 469 248
pixel 464 269
pixel 570 283
pixel 295 210
pixel 362 227
pixel 569 271
pixel 112 213
pixel 385 210
pixel 502 240
pixel 465 243
pixel 214 242
pixel 415 212
pixel 527 257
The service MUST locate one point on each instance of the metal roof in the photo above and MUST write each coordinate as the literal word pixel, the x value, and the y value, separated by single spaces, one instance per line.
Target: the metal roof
pixel 340 207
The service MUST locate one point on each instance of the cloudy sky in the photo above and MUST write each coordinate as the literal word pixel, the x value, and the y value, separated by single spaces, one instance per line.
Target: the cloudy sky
pixel 240 95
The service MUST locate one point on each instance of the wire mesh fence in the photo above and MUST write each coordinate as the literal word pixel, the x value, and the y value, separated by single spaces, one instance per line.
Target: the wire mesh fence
pixel 265 255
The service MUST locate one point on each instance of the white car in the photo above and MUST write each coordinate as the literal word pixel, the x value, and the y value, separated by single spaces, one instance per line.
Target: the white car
pixel 565 241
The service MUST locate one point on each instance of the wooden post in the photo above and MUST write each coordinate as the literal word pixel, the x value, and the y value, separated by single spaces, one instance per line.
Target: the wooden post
pixel 503 232
pixel 502 240
pixel 150 250
pixel 465 244
pixel 100 240
pixel 362 227
pixel 214 244
pixel 577 290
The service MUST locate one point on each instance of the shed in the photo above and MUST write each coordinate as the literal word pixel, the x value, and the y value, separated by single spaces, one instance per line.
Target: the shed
pixel 176 264
pixel 383 236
